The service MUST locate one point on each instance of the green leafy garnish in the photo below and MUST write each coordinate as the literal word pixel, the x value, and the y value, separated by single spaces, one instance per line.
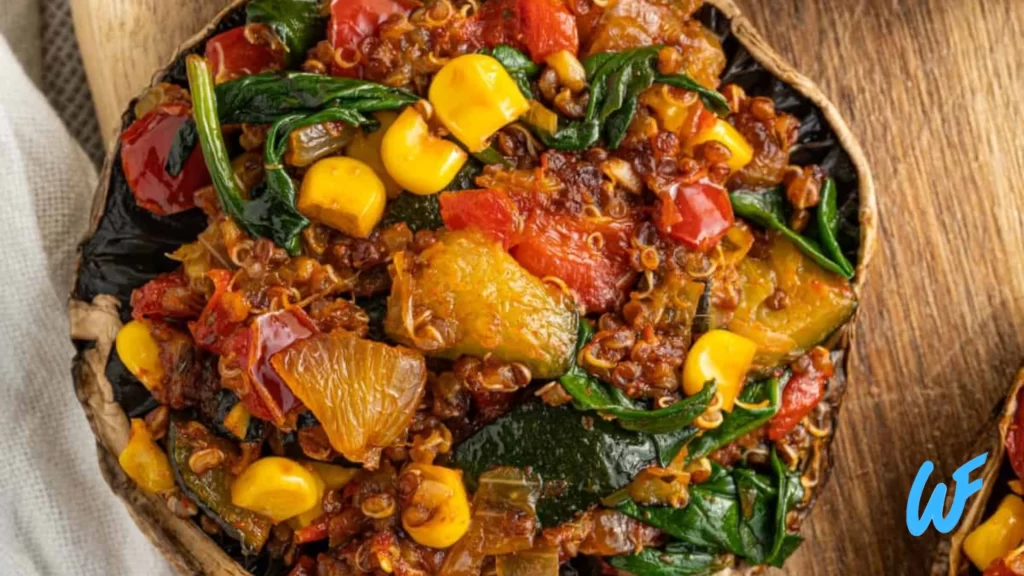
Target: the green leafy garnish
pixel 590 394
pixel 616 81
pixel 518 65
pixel 767 208
pixel 298 23
pixel 828 226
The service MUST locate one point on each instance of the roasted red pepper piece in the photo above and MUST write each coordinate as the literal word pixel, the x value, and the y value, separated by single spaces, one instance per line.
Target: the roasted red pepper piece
pixel 352 21
pixel 271 333
pixel 144 149
pixel 243 51
pixel 1015 438
pixel 224 315
pixel 166 296
pixel 803 392
pixel 540 27
pixel 490 211
pixel 697 215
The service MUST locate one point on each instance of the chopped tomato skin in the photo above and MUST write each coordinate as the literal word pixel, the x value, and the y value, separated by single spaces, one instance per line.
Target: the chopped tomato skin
pixel 696 215
pixel 244 51
pixel 352 21
pixel 490 211
pixel 1015 438
pixel 166 296
pixel 802 393
pixel 145 146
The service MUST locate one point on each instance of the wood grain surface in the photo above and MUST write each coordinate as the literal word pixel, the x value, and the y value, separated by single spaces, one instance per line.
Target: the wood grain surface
pixel 933 90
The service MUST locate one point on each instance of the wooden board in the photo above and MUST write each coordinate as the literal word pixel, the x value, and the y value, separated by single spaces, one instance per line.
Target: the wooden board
pixel 931 88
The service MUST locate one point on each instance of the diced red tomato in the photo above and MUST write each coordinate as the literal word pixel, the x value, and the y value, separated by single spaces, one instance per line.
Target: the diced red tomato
pixel 541 27
pixel 1015 437
pixel 166 296
pixel 271 333
pixel 697 215
pixel 352 21
pixel 803 392
pixel 590 257
pixel 144 149
pixel 244 51
pixel 491 211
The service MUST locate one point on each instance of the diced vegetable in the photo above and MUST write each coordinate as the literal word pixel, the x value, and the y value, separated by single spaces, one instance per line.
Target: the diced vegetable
pixel 269 334
pixel 518 65
pixel 803 392
pixel 343 193
pixel 366 147
pixel 997 536
pixel 698 215
pixel 277 488
pixel 145 147
pixel 144 461
pixel 817 303
pixel 724 133
pixel 474 97
pixel 237 421
pixel 417 160
pixel 363 393
pixel 211 490
pixel 169 295
pixel 244 51
pixel 720 356
pixel 439 513
pixel 479 301
pixel 490 211
pixel 587 456
pixel 308 144
pixel 140 353
pixel 542 27
pixel 533 562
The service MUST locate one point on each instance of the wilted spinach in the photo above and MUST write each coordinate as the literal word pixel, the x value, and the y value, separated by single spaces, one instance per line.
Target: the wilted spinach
pixel 298 23
pixel 674 560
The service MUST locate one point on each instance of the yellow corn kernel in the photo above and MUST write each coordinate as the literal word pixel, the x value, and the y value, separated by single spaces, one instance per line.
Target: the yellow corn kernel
pixel 419 161
pixel 997 536
pixel 237 421
pixel 343 193
pixel 307 518
pixel 724 133
pixel 144 461
pixel 365 147
pixel 277 488
pixel 140 353
pixel 442 495
pixel 333 476
pixel 570 71
pixel 474 97
pixel 723 357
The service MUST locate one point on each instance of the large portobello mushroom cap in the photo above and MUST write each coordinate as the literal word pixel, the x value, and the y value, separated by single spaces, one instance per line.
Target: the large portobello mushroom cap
pixel 950 559
pixel 126 244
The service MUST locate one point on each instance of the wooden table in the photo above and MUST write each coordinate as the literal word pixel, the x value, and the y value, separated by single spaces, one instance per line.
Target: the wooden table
pixel 932 88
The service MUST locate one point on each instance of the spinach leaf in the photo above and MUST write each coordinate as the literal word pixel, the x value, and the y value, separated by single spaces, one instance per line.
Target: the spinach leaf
pixel 828 226
pixel 418 212
pixel 589 393
pixel 518 65
pixel 740 512
pixel 466 178
pixel 265 98
pixel 489 156
pixel 767 208
pixel 763 398
pixel 675 560
pixel 185 141
pixel 616 81
pixel 298 23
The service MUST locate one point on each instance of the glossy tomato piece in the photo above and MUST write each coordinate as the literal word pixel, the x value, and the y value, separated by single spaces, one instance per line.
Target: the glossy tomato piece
pixel 590 256
pixel 223 316
pixel 144 149
pixel 540 27
pixel 1015 437
pixel 352 21
pixel 490 211
pixel 271 333
pixel 243 51
pixel 802 393
pixel 166 296
pixel 697 215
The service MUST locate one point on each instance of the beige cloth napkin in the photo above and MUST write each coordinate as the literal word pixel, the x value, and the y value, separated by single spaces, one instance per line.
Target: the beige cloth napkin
pixel 57 516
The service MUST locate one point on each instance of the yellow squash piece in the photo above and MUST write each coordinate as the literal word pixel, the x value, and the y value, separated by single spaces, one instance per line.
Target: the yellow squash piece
pixel 997 536
pixel 417 160
pixel 720 356
pixel 366 147
pixel 474 97
pixel 343 193
pixel 140 353
pixel 724 133
pixel 237 421
pixel 277 488
pixel 442 493
pixel 144 461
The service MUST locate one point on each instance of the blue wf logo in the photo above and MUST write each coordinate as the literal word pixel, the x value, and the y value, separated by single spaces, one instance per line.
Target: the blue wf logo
pixel 917 522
